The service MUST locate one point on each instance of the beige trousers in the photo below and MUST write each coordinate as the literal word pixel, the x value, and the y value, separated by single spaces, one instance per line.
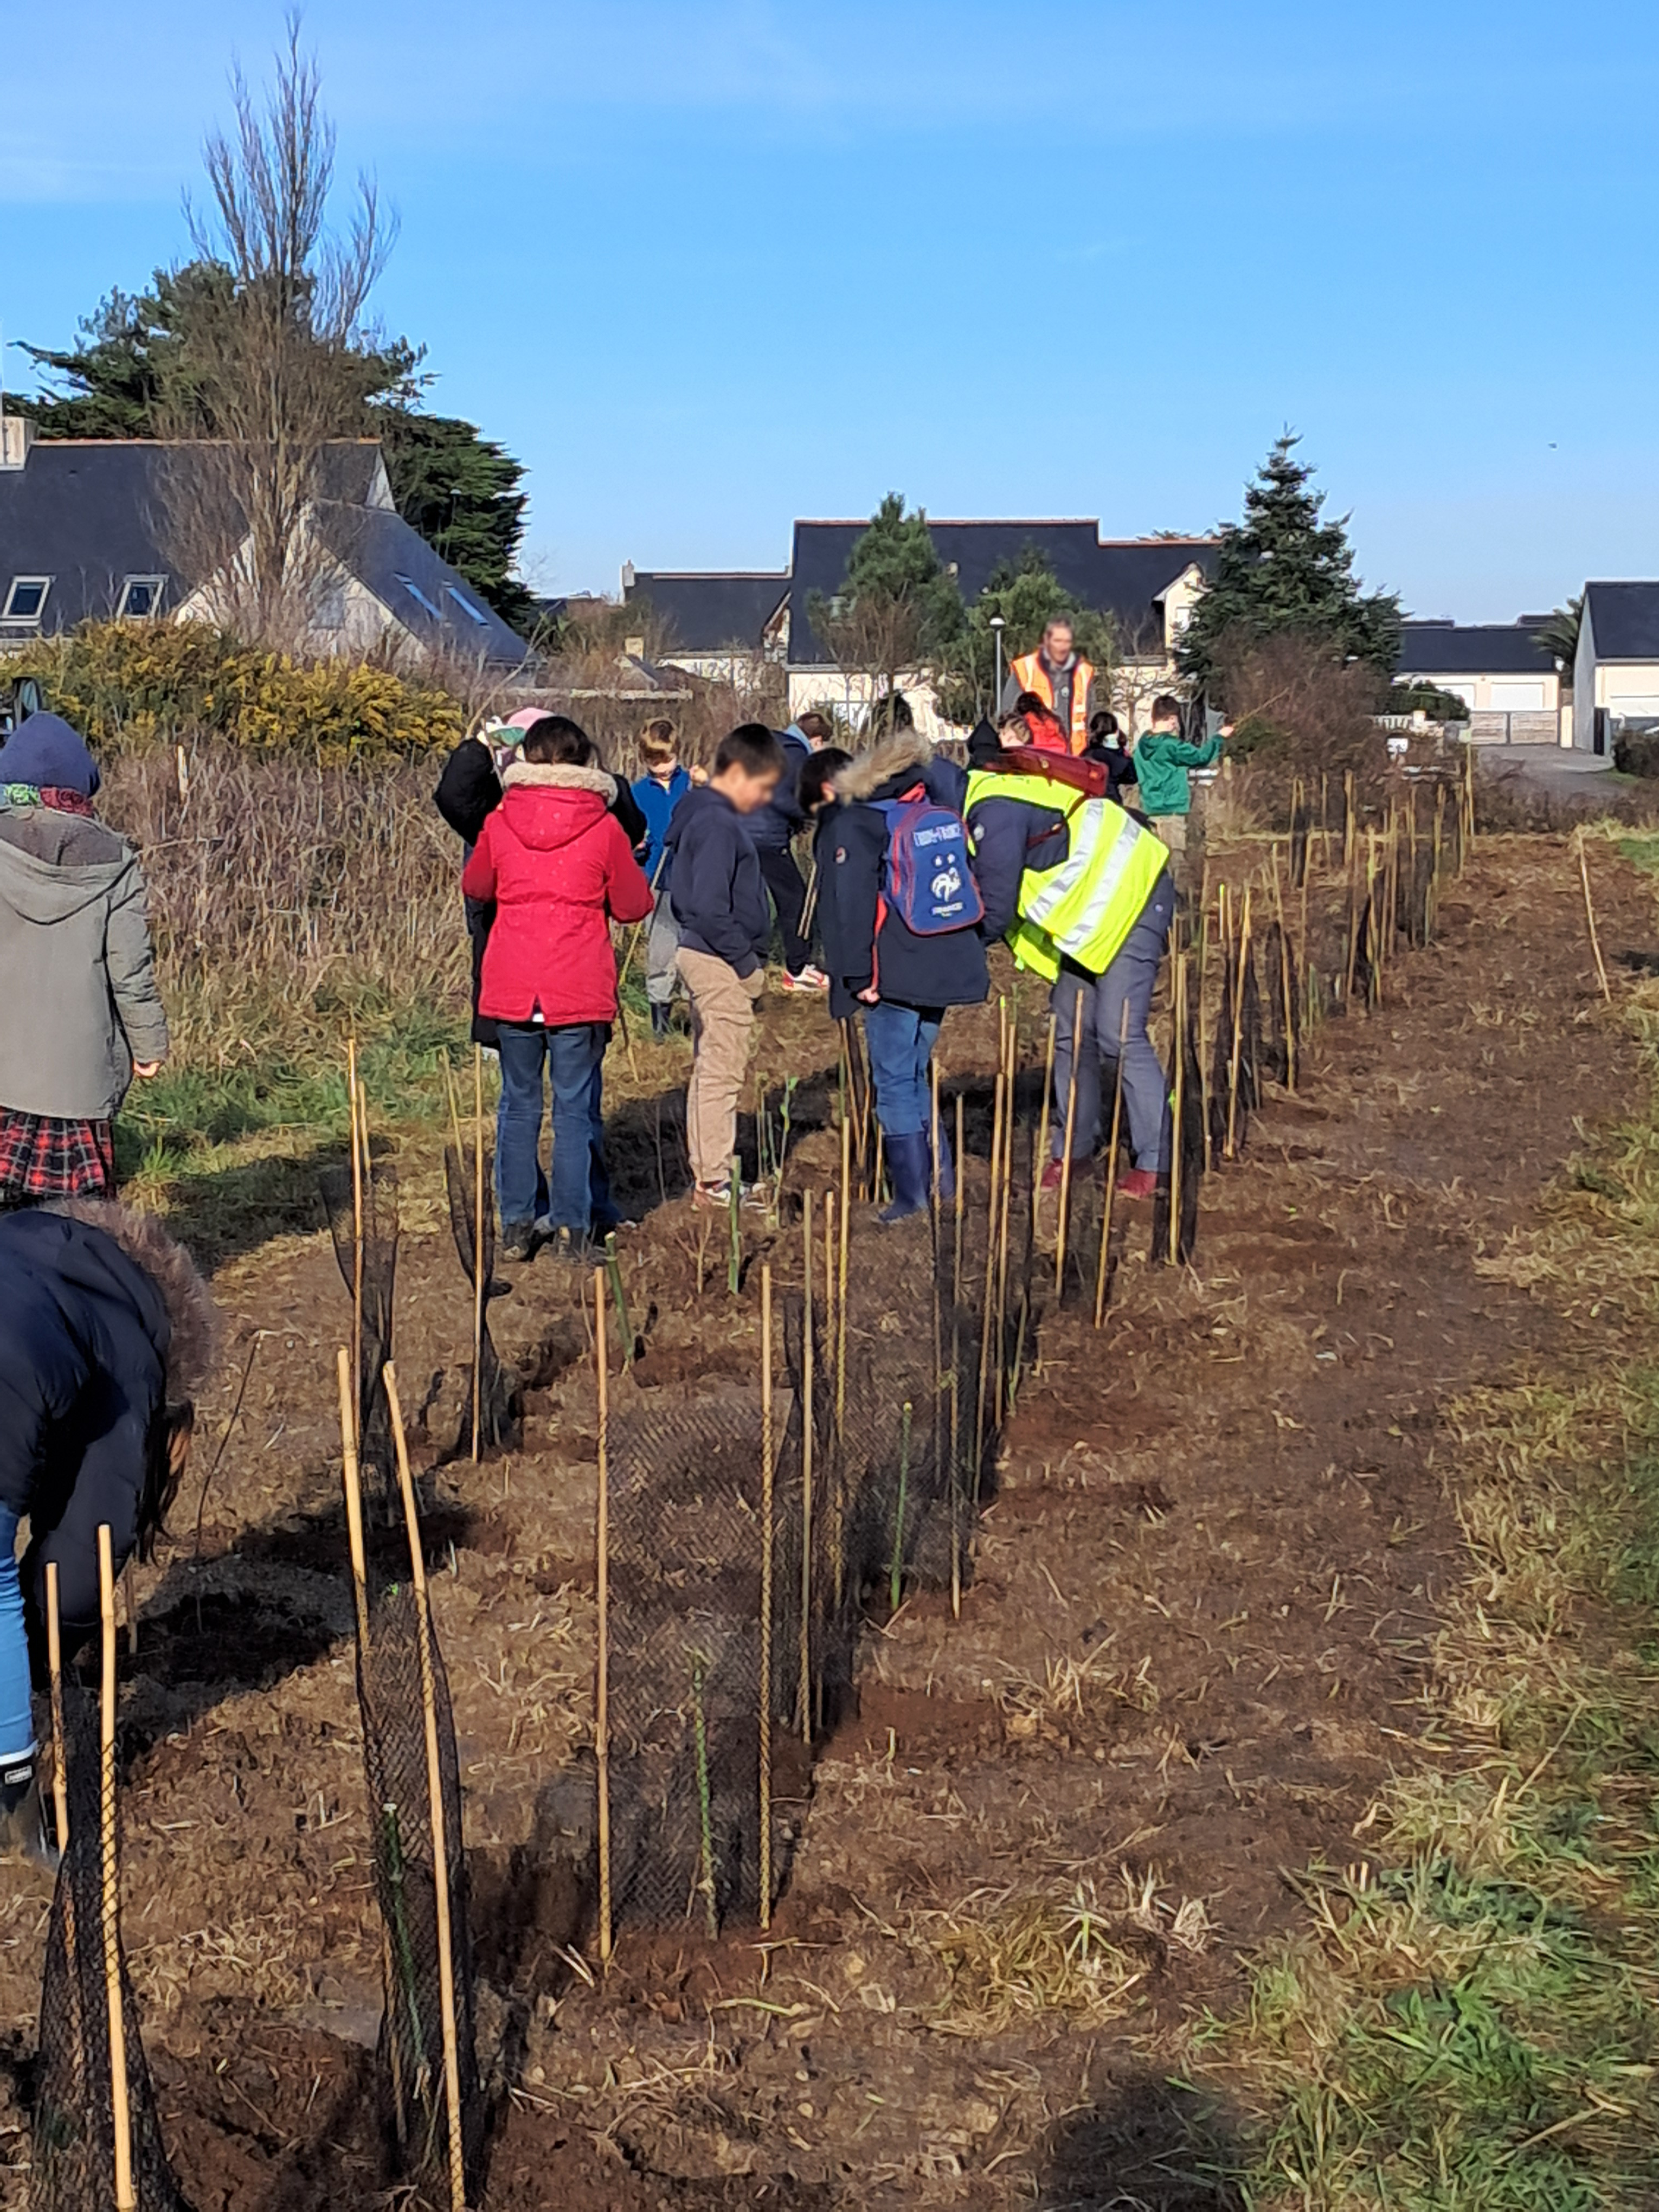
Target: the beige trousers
pixel 722 1015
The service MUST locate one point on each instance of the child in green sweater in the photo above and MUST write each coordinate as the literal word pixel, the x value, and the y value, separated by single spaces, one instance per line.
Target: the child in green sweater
pixel 1163 762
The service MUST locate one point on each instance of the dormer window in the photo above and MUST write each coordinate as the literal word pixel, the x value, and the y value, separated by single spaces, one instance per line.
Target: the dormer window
pixel 25 599
pixel 140 596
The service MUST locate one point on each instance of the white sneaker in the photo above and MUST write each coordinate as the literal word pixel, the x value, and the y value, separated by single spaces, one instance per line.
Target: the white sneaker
pixel 808 978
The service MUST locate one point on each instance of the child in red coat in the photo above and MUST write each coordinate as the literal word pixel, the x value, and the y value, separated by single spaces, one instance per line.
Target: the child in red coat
pixel 558 868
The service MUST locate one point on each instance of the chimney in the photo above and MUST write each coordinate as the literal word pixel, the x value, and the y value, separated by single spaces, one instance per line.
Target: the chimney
pixel 17 436
pixel 628 573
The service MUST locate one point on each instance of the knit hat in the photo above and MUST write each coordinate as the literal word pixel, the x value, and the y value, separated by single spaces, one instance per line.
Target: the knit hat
pixel 45 752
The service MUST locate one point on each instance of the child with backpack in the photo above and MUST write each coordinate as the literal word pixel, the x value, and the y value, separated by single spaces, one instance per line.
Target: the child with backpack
pixel 899 912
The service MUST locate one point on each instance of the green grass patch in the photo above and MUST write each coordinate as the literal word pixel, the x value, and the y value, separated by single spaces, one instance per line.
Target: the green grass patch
pixel 1474 2028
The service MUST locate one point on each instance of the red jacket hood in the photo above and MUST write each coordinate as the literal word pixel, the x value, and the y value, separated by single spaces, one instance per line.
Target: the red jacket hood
pixel 547 805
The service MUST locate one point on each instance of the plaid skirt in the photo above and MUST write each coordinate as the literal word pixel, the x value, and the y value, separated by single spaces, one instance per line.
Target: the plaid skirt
pixel 42 1157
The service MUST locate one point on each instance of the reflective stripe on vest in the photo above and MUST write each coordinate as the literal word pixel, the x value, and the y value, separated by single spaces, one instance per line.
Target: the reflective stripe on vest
pixel 1086 906
pixel 1034 676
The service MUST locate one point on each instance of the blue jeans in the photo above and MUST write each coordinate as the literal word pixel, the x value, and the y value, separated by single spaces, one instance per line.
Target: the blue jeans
pixel 579 1200
pixel 17 1717
pixel 1115 1009
pixel 901 1040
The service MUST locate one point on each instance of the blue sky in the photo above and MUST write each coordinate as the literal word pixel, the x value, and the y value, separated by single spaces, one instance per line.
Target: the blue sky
pixel 708 265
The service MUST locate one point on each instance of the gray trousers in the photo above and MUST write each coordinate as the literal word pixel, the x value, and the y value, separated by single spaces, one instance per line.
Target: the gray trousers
pixel 662 942
pixel 1116 1005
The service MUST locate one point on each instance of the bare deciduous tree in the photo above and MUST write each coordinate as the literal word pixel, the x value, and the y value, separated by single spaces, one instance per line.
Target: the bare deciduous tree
pixel 258 495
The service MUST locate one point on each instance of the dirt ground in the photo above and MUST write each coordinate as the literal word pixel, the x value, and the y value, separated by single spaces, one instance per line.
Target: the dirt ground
pixel 1191 1650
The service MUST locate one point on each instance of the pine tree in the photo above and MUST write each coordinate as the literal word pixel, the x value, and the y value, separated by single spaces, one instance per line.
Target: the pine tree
pixel 898 611
pixel 1283 570
pixel 138 373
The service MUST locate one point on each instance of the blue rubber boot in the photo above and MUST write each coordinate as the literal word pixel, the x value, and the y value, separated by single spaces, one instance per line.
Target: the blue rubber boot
pixel 909 1166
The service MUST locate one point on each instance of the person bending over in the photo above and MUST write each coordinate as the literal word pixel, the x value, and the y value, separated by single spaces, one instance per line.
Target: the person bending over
pixel 1084 894
pixel 105 1335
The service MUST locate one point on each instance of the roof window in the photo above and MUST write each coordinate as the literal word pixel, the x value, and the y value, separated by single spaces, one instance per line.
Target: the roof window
pixel 25 599
pixel 141 596
pixel 467 607
pixel 420 597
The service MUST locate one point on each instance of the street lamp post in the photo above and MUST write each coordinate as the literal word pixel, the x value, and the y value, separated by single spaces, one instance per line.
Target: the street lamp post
pixel 996 632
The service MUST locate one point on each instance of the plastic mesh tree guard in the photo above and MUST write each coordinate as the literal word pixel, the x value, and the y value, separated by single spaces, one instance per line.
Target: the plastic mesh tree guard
pixel 74 2142
pixel 391 1693
pixel 379 1281
pixel 876 1506
pixel 501 1404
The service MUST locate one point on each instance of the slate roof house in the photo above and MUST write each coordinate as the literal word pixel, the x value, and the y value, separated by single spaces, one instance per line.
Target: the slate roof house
pixel 1616 674
pixel 714 623
pixel 84 534
pixel 1509 682
pixel 715 619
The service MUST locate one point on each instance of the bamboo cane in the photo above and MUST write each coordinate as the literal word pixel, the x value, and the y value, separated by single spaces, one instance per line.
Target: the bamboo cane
pixel 55 1671
pixel 1349 825
pixel 1063 1225
pixel 1589 916
pixel 1111 1173
pixel 1178 996
pixel 767 1479
pixel 838 1554
pixel 962 1173
pixel 1042 1128
pixel 987 1307
pixel 480 1288
pixel 1005 1204
pixel 352 1487
pixel 358 1157
pixel 602 1632
pixel 804 1698
pixel 1287 991
pixel 1232 1149
pixel 435 1790
pixel 120 2111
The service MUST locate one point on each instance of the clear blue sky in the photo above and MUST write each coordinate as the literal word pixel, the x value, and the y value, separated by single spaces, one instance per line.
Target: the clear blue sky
pixel 709 265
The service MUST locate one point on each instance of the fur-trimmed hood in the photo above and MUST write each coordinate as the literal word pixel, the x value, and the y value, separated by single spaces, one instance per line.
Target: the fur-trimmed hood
pixel 891 755
pixel 549 804
pixel 192 1318
pixel 559 775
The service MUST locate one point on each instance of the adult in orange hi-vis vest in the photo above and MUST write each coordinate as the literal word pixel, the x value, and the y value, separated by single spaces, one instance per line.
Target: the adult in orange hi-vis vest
pixel 1060 677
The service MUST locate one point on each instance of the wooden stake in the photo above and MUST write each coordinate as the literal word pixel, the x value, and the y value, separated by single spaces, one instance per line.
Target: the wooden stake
pixel 1589 916
pixel 358 1161
pixel 434 1792
pixel 350 1479
pixel 602 1633
pixel 1111 1173
pixel 961 1172
pixel 1349 826
pixel 1011 1086
pixel 767 1478
pixel 837 1514
pixel 480 1288
pixel 1178 1009
pixel 120 2109
pixel 988 1308
pixel 59 1748
pixel 803 1696
pixel 1063 1226
pixel 1232 1149
pixel 1042 1128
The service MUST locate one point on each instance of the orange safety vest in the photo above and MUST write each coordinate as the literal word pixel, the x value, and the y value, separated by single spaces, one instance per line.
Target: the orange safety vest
pixel 1034 676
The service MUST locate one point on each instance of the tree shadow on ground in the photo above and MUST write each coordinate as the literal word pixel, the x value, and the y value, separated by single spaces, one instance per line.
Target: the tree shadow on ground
pixel 1143 2146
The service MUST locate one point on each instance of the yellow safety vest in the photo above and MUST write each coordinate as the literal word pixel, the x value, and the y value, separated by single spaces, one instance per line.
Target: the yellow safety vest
pixel 1086 906
pixel 1034 676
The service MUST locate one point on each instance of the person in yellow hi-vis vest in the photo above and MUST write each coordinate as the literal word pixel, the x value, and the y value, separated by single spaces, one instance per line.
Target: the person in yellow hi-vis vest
pixel 1085 898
